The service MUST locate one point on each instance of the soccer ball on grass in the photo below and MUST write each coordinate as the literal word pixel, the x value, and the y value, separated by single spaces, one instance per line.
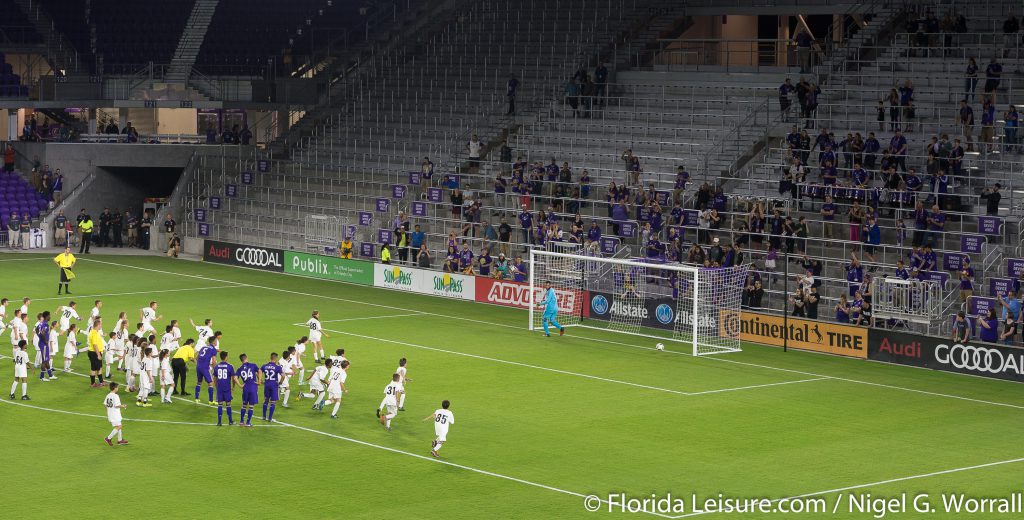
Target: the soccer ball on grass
pixel 660 346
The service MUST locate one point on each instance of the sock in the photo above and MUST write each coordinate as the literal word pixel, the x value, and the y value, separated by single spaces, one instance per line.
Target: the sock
pixel 197 391
pixel 108 371
pixel 163 393
pixel 389 423
pixel 248 419
pixel 14 387
pixel 120 436
pixel 546 331
pixel 287 394
pixel 101 378
pixel 336 406
pixel 112 434
pixel 24 389
pixel 130 380
pixel 401 400
pixel 437 446
pixel 209 390
pixel 67 363
pixel 302 374
pixel 320 398
pixel 306 395
pixel 220 414
pixel 231 420
pixel 41 372
pixel 271 416
pixel 49 372
pixel 264 410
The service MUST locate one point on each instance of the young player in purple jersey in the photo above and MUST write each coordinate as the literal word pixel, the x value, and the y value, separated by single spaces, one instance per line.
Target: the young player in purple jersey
pixel 272 375
pixel 249 375
pixel 42 331
pixel 204 360
pixel 224 375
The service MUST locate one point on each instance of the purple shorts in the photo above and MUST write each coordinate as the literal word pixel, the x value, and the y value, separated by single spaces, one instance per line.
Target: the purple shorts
pixel 223 394
pixel 203 374
pixel 250 395
pixel 270 392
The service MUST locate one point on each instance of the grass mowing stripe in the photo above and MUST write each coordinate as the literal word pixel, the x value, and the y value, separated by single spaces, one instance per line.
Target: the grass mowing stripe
pixel 96 416
pixel 138 292
pixel 709 358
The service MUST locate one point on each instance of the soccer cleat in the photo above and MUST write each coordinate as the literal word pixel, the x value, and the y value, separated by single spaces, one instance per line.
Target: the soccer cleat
pixel 387 428
pixel 25 398
pixel 147 404
pixel 53 378
pixel 122 443
pixel 211 403
pixel 547 335
pixel 434 453
pixel 138 403
pixel 12 396
pixel 314 407
pixel 334 416
pixel 561 331
pixel 106 440
pixel 378 413
pixel 401 409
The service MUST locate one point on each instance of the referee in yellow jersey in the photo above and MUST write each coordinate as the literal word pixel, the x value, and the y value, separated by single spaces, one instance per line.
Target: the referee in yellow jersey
pixel 96 352
pixel 65 261
pixel 179 364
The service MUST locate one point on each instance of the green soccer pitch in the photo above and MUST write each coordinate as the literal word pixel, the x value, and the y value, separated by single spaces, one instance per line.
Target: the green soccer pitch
pixel 541 423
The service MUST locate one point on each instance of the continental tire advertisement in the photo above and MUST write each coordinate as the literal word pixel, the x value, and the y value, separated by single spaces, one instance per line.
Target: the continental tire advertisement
pixel 265 258
pixel 816 336
pixel 985 360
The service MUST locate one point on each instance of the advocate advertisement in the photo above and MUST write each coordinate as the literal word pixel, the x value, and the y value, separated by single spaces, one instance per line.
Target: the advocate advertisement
pixel 265 258
pixel 517 294
pixel 328 267
pixel 985 360
pixel 658 313
pixel 816 336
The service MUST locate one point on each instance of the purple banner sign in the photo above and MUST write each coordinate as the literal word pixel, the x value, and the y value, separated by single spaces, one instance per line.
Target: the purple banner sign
pixel 971 243
pixel 1014 266
pixel 200 215
pixel 609 245
pixel 979 306
pixel 935 276
pixel 247 177
pixel 231 190
pixel 997 286
pixel 383 205
pixel 643 214
pixel 350 231
pixel 435 194
pixel 690 217
pixel 263 165
pixel 366 249
pixel 662 197
pixel 365 218
pixel 398 191
pixel 627 229
pixel 214 202
pixel 990 225
pixel 414 178
pixel 384 236
pixel 204 229
pixel 419 209
pixel 952 261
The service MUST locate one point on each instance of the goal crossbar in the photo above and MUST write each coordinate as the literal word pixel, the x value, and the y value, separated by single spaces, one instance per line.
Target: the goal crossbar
pixel 695 306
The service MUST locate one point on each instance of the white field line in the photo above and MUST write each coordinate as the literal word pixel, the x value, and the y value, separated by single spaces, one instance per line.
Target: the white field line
pixel 38 258
pixel 369 318
pixel 96 416
pixel 882 482
pixel 708 358
pixel 706 392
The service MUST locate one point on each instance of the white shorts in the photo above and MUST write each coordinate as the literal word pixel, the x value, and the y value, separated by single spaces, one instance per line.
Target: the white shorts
pixel 69 353
pixel 314 336
pixel 391 408
pixel 286 382
pixel 115 422
pixel 39 358
pixel 21 371
pixel 442 435
pixel 54 350
pixel 148 327
pixel 130 366
pixel 166 378
pixel 108 356
pixel 144 386
pixel 316 385
pixel 334 392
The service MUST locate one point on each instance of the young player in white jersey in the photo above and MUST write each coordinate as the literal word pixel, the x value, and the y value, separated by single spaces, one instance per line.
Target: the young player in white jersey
pixel 3 314
pixel 140 331
pixel 16 332
pixel 166 376
pixel 337 358
pixel 167 340
pixel 443 419
pixel 204 331
pixel 316 384
pixel 70 347
pixel 68 313
pixel 300 351
pixel 54 341
pixel 148 316
pixel 287 371
pixel 392 393
pixel 95 312
pixel 154 367
pixel 145 378
pixel 21 366
pixel 117 345
pixel 112 402
pixel 316 332
pixel 336 386
pixel 109 359
pixel 176 331
pixel 24 306
pixel 403 373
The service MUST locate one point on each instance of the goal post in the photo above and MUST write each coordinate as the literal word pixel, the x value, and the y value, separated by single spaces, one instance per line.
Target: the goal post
pixel 696 307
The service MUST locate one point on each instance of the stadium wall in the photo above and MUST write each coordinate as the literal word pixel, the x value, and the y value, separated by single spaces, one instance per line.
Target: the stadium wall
pixel 987 360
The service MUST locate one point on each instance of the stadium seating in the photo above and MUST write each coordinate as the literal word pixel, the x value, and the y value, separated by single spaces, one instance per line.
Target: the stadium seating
pixel 17 196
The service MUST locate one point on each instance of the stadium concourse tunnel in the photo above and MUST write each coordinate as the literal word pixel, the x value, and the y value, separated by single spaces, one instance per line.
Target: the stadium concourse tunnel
pixel 125 187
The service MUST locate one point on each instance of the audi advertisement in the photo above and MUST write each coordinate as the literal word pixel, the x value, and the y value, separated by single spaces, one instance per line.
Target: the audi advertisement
pixel 265 258
pixel 658 313
pixel 975 358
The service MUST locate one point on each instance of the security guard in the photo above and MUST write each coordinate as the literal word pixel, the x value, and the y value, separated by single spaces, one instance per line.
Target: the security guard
pixel 85 228
pixel 385 254
pixel 65 261
pixel 346 248
pixel 179 364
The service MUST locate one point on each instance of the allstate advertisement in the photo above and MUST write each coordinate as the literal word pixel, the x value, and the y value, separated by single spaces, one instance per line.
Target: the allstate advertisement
pixel 658 313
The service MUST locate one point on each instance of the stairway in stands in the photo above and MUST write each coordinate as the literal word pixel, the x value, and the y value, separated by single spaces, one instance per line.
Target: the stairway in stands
pixel 191 40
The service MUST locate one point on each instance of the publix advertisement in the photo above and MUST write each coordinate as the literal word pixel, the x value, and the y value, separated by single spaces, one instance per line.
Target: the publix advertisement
pixel 424 282
pixel 328 268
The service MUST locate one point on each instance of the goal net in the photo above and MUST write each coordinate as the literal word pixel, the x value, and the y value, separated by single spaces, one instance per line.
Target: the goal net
pixel 696 307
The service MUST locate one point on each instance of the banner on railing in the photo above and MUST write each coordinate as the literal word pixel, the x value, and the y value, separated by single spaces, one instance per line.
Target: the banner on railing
pixel 366 250
pixel 203 229
pixel 398 191
pixel 247 177
pixel 263 165
pixel 609 245
pixel 984 360
pixel 419 209
pixel 816 336
pixel 414 178
pixel 383 205
pixel 980 305
pixel 517 294
pixel 1014 266
pixel 231 190
pixel 265 258
pixel 990 225
pixel 999 285
pixel 214 202
pixel 971 243
pixel 422 281
pixel 953 261
pixel 365 218
pixel 328 268
pixel 200 215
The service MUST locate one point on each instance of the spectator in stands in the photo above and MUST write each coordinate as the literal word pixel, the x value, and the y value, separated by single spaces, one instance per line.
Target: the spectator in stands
pixel 475 149
pixel 510 92
pixel 1010 304
pixel 457 200
pixel 519 269
pixel 993 73
pixel 873 237
pixel 423 257
pixel 991 196
pixel 966 275
pixel 130 133
pixel 797 300
pixel 417 239
pixel 426 172
pixel 988 327
pixel 385 253
pixel 231 136
pixel 842 310
pixel 854 275
pixel 402 244
pixel 988 122
pixel 894 109
pixel 9 157
pixel 1011 119
pixel 13 231
pixel 1010 28
pixel 920 223
pixel 1009 331
pixel 965 118
pixel 756 295
pixel 211 134
pixel 504 236
pixel 803 50
pixel 526 223
pixel 970 79
pixel 898 148
pixel 785 91
pixel 936 225
pixel 245 136
pixel 572 95
pixel 811 301
pixel 600 83
pixel 855 215
pixel 811 104
pixel 633 169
